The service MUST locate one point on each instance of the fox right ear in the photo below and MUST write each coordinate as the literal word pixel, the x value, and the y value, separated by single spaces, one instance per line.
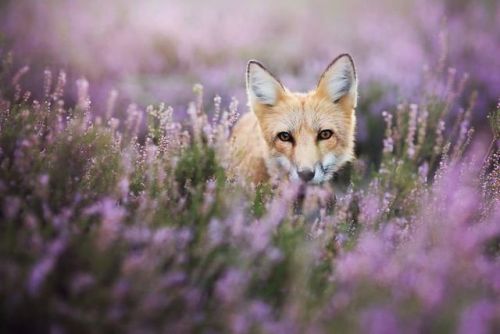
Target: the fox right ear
pixel 262 86
pixel 339 82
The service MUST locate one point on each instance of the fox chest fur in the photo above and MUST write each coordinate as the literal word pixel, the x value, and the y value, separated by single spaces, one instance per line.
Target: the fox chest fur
pixel 300 136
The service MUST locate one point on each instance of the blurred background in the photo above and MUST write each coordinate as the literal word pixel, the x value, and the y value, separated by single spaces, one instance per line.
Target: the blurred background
pixel 155 51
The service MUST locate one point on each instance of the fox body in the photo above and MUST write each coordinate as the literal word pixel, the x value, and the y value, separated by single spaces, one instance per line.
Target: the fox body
pixel 302 136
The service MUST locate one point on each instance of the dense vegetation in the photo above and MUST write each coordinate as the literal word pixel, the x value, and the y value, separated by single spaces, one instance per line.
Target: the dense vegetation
pixel 105 228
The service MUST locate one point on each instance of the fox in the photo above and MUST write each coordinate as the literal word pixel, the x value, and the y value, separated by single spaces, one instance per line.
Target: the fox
pixel 304 137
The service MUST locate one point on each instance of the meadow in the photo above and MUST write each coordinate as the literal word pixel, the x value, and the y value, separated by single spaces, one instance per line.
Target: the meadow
pixel 116 212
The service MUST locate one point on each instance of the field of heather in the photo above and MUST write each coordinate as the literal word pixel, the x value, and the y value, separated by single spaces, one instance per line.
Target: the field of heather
pixel 117 212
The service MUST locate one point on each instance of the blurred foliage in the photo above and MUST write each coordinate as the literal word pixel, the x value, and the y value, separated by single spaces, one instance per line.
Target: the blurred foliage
pixel 104 229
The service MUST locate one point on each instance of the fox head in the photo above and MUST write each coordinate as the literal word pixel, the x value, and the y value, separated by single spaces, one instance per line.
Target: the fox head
pixel 309 135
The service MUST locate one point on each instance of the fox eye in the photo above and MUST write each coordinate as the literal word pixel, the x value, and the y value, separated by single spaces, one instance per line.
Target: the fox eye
pixel 325 134
pixel 285 136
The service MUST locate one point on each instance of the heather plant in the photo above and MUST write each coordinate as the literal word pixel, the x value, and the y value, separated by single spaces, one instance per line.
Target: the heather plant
pixel 108 228
pixel 155 50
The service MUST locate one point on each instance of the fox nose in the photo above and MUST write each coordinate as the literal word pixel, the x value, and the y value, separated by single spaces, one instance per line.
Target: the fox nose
pixel 306 175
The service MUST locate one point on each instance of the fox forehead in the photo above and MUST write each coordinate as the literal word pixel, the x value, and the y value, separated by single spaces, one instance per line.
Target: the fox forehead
pixel 304 113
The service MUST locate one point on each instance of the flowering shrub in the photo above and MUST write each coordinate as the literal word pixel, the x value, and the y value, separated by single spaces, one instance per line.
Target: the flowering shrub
pixel 153 50
pixel 107 229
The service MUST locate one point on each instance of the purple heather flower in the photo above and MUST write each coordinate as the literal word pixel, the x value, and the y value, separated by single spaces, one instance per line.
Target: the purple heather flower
pixel 45 265
pixel 231 286
pixel 380 321
pixel 412 129
pixel 478 318
pixel 11 206
pixel 83 94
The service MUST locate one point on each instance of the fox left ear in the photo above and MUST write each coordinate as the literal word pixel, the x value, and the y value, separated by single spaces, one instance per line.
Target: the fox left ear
pixel 339 81
pixel 262 87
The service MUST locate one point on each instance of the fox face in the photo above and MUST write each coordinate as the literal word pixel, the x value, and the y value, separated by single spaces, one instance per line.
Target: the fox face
pixel 309 135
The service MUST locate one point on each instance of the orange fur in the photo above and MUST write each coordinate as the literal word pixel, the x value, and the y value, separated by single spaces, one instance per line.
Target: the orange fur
pixel 258 153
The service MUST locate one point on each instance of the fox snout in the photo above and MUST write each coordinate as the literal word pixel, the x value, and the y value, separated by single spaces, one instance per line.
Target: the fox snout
pixel 306 175
pixel 310 173
pixel 306 160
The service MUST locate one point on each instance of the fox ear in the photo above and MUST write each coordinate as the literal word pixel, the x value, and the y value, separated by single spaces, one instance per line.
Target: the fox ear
pixel 262 86
pixel 339 81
